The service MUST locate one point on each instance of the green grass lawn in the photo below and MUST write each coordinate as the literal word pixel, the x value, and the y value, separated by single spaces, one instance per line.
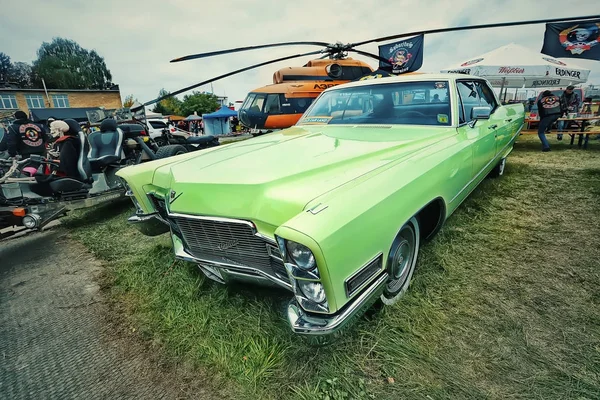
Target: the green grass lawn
pixel 504 304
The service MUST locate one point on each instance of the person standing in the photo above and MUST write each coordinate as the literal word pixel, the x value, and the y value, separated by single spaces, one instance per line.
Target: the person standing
pixel 550 111
pixel 569 103
pixel 26 137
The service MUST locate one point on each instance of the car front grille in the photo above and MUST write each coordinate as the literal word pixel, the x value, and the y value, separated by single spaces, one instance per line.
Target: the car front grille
pixel 229 242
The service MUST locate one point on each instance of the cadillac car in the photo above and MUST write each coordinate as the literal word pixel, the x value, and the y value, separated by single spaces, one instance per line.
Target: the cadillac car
pixel 333 209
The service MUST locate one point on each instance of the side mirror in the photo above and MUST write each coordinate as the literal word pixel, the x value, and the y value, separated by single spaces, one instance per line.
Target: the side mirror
pixel 481 113
pixel 478 113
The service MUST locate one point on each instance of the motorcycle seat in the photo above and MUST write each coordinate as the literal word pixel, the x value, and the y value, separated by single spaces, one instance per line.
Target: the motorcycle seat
pixel 200 139
pixel 63 185
pixel 105 145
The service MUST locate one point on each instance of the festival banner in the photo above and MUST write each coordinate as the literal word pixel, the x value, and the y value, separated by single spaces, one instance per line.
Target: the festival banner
pixel 573 40
pixel 403 56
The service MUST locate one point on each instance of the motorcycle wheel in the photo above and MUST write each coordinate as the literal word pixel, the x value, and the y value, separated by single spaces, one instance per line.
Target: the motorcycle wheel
pixel 170 151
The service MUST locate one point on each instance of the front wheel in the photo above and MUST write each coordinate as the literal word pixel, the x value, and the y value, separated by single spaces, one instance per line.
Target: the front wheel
pixel 401 262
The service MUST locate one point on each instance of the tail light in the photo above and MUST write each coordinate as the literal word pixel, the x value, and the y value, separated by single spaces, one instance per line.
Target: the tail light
pixel 143 133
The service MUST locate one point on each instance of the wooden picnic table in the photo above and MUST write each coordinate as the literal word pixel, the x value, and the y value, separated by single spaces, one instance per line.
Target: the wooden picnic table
pixel 582 123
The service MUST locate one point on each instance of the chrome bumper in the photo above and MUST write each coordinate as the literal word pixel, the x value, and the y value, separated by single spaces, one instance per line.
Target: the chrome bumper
pixel 316 324
pixel 148 224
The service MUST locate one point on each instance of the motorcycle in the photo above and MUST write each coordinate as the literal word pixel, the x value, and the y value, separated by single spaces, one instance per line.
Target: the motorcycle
pixel 30 198
pixel 176 136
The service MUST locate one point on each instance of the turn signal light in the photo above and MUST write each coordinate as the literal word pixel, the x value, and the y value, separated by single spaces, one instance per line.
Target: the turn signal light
pixel 19 212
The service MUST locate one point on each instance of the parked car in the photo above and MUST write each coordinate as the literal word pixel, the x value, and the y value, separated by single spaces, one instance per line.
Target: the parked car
pixel 156 127
pixel 335 208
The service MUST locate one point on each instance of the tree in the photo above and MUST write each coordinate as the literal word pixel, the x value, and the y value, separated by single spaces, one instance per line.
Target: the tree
pixel 129 101
pixel 202 103
pixel 64 64
pixel 21 74
pixel 169 106
pixel 5 65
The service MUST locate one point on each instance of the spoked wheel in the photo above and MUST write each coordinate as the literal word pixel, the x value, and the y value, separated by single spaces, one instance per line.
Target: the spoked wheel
pixel 401 262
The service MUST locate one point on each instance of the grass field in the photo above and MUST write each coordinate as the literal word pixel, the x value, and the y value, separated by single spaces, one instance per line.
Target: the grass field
pixel 504 304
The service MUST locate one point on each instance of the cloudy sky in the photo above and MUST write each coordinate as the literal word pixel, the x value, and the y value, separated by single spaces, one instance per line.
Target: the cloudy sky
pixel 138 38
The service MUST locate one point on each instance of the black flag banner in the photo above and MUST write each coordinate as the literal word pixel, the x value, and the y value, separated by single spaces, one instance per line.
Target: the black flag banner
pixel 403 56
pixel 579 39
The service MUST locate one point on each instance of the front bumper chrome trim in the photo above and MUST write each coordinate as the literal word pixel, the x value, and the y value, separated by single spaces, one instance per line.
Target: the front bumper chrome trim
pixel 312 324
pixel 149 224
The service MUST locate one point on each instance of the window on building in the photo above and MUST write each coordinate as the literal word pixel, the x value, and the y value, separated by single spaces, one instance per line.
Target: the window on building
pixel 8 101
pixel 35 101
pixel 60 100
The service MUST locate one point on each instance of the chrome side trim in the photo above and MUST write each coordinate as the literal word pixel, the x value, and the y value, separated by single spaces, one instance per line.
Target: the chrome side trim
pixel 487 165
pixel 310 324
pixel 180 253
pixel 368 281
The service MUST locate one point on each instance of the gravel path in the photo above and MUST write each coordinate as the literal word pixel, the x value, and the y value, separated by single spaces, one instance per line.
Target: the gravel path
pixel 55 341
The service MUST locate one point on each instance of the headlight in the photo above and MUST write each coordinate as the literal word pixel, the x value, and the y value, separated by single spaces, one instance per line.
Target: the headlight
pixel 301 255
pixel 312 290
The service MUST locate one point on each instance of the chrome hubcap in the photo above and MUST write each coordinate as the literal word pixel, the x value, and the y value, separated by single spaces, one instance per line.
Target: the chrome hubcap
pixel 402 261
pixel 502 165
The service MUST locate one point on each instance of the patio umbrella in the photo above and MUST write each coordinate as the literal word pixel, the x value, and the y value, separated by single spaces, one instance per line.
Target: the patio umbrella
pixel 515 66
pixel 192 117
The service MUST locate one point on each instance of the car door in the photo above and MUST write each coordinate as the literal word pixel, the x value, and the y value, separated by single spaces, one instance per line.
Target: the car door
pixel 480 133
pixel 505 118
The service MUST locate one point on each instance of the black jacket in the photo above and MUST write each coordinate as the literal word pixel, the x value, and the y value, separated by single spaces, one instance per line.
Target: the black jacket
pixel 569 104
pixel 26 137
pixel 69 156
pixel 549 106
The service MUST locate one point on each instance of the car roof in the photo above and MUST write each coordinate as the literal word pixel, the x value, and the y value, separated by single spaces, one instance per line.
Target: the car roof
pixel 405 78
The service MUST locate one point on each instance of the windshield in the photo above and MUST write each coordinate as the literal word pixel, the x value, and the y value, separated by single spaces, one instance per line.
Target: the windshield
pixel 409 103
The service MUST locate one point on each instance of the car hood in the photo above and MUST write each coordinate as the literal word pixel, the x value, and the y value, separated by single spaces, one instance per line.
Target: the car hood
pixel 273 177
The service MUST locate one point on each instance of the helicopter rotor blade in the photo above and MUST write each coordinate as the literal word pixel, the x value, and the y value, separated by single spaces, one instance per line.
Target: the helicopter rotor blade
pixel 376 57
pixel 470 27
pixel 185 89
pixel 262 46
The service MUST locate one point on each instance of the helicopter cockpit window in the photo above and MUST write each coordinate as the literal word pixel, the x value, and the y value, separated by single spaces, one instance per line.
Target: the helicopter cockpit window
pixel 409 103
pixel 257 103
pixel 248 101
pixel 272 105
pixel 295 105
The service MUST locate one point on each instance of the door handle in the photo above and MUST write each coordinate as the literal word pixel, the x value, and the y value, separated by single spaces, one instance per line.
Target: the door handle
pixel 509 120
pixel 492 126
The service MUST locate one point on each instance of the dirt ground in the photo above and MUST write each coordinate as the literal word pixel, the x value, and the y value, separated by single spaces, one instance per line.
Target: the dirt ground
pixel 58 338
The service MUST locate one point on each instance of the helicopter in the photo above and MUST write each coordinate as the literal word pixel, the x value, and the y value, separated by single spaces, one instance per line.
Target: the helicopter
pixel 281 104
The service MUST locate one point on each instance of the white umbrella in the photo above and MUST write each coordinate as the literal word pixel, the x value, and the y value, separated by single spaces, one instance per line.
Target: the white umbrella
pixel 515 66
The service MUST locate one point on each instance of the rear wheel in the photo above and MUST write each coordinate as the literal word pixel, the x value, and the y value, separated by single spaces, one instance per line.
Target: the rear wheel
pixel 401 262
pixel 170 151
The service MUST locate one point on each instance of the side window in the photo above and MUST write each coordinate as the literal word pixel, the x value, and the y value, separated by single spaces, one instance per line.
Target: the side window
pixel 257 103
pixel 461 111
pixel 469 97
pixel 487 96
pixel 272 105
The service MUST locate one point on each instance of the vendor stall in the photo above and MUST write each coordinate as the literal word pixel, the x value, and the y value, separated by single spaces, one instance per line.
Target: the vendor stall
pixel 217 123
pixel 515 66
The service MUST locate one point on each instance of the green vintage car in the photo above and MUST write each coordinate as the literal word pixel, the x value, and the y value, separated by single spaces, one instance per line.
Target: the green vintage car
pixel 333 209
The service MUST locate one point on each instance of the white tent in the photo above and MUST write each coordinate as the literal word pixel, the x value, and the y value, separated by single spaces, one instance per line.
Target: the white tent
pixel 515 66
